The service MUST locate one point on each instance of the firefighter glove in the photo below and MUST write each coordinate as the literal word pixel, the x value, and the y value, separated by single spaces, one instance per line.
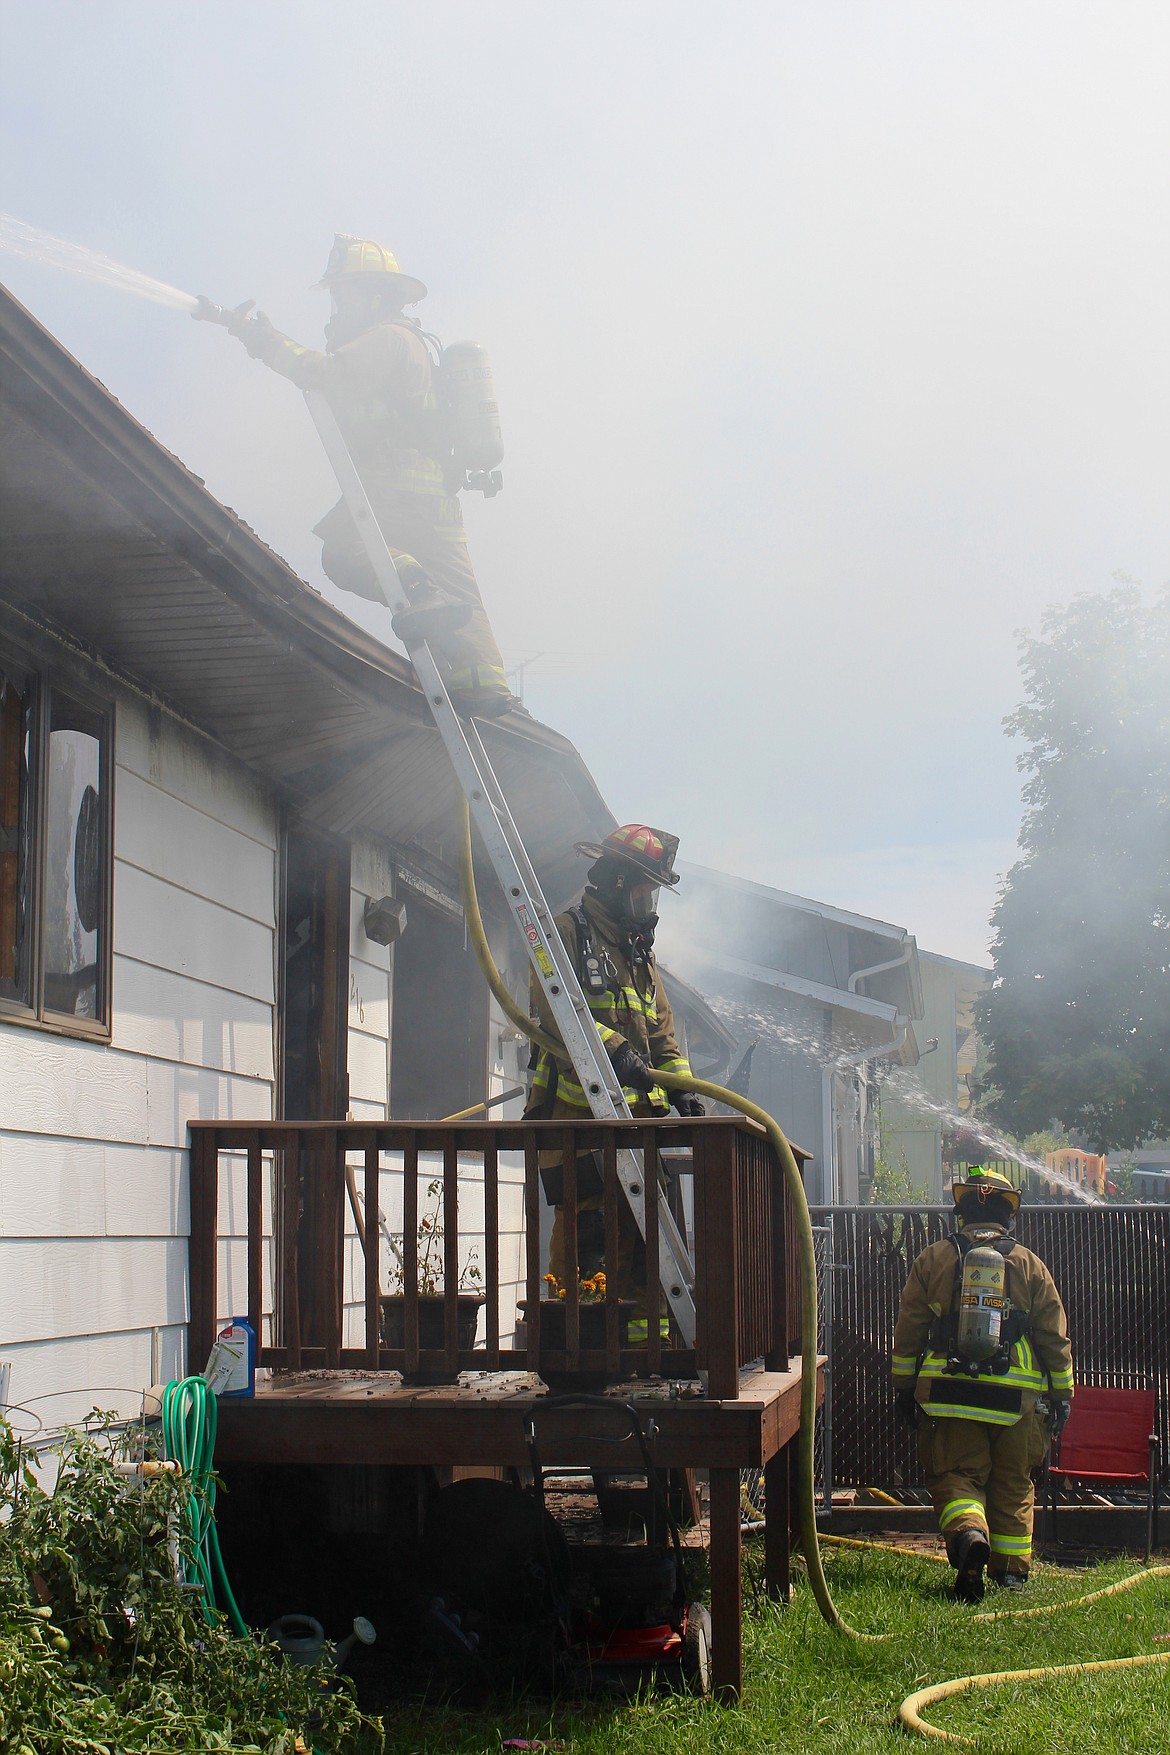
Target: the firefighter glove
pixel 687 1103
pixel 256 333
pixel 632 1070
pixel 1060 1414
pixel 906 1406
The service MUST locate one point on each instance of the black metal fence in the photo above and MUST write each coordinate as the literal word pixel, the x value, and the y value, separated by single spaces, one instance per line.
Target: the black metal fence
pixel 1111 1263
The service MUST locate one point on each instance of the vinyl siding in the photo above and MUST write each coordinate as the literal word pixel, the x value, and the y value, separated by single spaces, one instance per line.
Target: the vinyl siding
pixel 93 1173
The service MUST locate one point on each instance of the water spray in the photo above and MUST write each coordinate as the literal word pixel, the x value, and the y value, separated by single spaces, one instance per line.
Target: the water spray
pixel 791 1035
pixel 34 245
pixel 907 1091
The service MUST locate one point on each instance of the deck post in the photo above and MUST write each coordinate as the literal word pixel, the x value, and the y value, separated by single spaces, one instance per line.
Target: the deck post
pixel 716 1262
pixel 726 1600
pixel 777 1531
pixel 201 1253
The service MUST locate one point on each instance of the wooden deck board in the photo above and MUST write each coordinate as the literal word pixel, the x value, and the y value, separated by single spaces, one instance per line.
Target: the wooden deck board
pixel 379 1419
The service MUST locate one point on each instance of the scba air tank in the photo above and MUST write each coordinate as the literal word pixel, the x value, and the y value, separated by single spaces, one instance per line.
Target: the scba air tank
pixel 981 1304
pixel 473 414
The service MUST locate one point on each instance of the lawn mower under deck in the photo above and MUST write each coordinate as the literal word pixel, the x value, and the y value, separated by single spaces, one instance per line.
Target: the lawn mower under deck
pixel 517 1604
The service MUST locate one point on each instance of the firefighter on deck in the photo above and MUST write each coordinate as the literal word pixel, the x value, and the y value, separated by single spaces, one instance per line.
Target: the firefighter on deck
pixel 981 1335
pixel 378 376
pixel 609 934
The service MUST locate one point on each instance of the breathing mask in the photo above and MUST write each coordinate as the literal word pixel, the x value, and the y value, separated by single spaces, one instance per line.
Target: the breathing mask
pixel 640 903
pixel 356 307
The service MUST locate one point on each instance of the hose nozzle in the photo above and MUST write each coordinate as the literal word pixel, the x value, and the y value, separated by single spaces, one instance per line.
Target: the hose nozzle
pixel 228 317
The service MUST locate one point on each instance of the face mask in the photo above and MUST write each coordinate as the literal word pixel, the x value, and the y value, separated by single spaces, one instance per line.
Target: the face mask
pixel 641 903
pixel 351 317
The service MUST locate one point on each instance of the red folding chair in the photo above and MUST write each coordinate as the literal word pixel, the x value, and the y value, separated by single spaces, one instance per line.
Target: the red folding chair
pixel 1110 1440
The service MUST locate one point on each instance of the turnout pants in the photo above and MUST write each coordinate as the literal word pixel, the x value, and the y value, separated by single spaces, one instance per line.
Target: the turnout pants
pixel 980 1477
pixel 430 528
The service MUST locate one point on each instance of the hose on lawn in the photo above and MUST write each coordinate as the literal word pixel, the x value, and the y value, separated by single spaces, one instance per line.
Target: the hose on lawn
pixel 911 1710
pixel 189 1421
pixel 806 1491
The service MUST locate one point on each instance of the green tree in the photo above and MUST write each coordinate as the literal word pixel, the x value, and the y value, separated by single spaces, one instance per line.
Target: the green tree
pixel 1078 1017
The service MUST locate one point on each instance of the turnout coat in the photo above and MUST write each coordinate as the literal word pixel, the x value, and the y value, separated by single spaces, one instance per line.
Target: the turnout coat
pixel 1040 1360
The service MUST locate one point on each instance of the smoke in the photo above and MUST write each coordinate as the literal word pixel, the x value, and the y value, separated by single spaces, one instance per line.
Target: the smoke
pixel 28 241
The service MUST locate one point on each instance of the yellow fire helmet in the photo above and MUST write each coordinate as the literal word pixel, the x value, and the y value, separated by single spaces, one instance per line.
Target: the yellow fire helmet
pixel 354 257
pixel 985 1183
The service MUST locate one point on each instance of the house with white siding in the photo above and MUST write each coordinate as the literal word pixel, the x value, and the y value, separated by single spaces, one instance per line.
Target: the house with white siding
pixel 216 795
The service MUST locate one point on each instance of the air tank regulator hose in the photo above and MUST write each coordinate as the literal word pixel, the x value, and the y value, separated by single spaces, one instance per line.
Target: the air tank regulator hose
pixel 806 1496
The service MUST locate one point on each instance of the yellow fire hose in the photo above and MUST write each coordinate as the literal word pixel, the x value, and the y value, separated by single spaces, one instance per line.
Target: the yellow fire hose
pixel 911 1708
pixel 1109 1590
pixel 882 1547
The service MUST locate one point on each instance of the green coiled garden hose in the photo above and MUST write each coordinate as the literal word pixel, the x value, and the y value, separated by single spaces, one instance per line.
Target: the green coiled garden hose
pixel 189 1420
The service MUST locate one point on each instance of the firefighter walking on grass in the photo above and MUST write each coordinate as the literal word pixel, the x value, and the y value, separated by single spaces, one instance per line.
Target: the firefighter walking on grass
pixel 379 377
pixel 982 1363
pixel 609 935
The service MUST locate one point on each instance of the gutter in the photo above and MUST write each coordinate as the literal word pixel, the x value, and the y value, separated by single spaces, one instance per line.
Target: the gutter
pixel 881 968
pixel 908 959
pixel 837 998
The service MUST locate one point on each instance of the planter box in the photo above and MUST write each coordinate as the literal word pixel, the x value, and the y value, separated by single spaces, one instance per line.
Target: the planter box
pixel 591 1328
pixel 431 1337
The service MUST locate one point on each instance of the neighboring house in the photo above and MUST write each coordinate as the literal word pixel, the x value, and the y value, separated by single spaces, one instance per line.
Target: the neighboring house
pixel 207 776
pixel 820 997
pixel 1151 1171
pixel 919 1104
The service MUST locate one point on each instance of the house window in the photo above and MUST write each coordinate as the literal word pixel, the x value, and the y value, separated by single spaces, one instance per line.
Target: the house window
pixel 55 848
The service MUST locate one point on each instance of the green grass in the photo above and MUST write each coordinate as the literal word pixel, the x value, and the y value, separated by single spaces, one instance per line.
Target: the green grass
pixel 809 1689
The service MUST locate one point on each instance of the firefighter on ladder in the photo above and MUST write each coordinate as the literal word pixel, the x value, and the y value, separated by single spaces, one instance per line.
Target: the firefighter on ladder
pixel 609 934
pixel 982 1364
pixel 378 376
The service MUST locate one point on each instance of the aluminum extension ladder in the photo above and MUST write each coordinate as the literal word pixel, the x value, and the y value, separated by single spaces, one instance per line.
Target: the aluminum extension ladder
pixel 501 838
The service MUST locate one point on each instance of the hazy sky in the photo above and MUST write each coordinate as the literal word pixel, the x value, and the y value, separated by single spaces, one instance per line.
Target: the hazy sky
pixel 830 338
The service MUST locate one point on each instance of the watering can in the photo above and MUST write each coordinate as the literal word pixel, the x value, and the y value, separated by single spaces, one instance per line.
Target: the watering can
pixel 303 1642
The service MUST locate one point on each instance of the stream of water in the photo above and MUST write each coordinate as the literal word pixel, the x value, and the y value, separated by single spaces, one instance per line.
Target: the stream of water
pixel 788 1035
pixel 902 1085
pixel 19 239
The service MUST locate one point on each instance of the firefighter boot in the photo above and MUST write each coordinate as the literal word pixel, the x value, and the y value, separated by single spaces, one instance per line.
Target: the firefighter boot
pixel 430 616
pixel 969 1552
pixel 480 691
pixel 428 619
pixel 1009 1581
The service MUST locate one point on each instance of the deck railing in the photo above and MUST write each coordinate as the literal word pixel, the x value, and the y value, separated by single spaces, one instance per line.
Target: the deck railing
pixel 287 1228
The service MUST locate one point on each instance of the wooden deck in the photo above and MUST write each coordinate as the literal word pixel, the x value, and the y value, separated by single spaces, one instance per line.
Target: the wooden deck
pixel 344 1418
pixel 272 1200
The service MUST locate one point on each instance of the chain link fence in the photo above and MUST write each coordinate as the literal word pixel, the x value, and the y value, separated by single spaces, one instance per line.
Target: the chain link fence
pixel 1111 1264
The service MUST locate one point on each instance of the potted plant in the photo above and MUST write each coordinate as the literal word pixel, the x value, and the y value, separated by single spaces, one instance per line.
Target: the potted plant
pixel 432 1300
pixel 591 1292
